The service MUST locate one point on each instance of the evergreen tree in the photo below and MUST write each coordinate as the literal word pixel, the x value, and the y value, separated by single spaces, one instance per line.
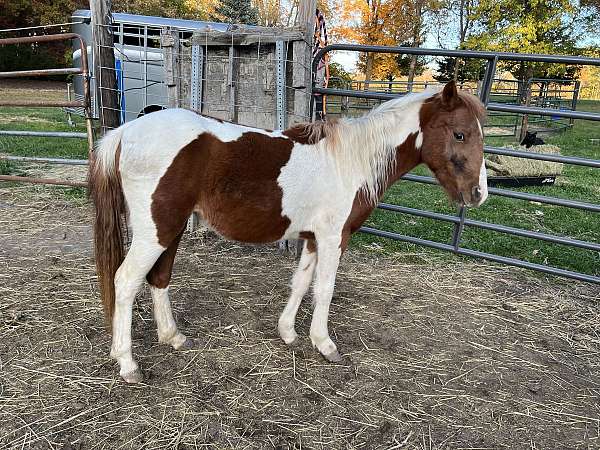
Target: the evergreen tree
pixel 403 62
pixel 468 69
pixel 236 11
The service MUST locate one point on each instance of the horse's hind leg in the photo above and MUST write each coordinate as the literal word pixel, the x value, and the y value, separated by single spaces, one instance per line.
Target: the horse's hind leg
pixel 159 278
pixel 300 284
pixel 142 255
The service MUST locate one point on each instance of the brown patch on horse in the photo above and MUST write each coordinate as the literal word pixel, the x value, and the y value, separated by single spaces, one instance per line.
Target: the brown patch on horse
pixel 309 236
pixel 407 158
pixel 109 222
pixel 160 274
pixel 233 185
pixel 309 133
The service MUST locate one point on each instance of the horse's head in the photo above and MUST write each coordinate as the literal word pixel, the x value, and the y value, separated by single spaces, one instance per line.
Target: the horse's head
pixel 452 145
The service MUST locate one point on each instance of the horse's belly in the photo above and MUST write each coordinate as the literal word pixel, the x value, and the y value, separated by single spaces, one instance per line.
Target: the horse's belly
pixel 244 221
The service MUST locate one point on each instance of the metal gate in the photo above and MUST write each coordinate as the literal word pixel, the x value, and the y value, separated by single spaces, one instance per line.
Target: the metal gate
pixel 85 103
pixel 460 220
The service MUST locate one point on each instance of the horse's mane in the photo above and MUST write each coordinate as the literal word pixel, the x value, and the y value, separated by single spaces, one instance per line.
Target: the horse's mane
pixel 362 147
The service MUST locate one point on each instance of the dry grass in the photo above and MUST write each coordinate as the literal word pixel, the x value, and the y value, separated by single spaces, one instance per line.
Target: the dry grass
pixel 501 165
pixel 438 355
pixel 20 89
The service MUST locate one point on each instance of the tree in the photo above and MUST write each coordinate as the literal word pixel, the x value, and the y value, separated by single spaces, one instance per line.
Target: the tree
pixel 338 76
pixel 456 20
pixel 528 26
pixel 404 62
pixel 236 11
pixel 416 38
pixel 269 12
pixel 379 22
pixel 459 69
pixel 27 13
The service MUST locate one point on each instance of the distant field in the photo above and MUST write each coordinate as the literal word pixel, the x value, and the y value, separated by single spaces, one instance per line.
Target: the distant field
pixel 576 183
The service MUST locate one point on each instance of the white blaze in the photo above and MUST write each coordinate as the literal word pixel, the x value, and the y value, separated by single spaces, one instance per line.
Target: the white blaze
pixel 483 182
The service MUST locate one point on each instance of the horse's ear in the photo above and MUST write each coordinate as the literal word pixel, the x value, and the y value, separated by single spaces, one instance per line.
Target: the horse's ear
pixel 450 95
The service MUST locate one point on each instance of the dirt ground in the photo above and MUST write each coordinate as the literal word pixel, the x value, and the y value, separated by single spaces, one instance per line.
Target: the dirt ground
pixel 437 354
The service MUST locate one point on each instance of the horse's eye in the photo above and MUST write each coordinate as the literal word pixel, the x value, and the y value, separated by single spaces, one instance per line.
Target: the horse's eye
pixel 459 136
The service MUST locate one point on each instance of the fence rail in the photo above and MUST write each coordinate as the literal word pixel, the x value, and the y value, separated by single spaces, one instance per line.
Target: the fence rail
pixel 460 220
pixel 85 103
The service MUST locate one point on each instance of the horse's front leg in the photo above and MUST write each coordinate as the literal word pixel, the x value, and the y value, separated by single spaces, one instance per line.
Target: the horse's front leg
pixel 327 264
pixel 300 284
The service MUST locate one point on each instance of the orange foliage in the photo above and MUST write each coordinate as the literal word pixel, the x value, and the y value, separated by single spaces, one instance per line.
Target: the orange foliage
pixel 378 22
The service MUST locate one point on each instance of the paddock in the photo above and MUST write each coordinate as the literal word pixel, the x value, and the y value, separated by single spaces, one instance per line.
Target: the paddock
pixel 439 352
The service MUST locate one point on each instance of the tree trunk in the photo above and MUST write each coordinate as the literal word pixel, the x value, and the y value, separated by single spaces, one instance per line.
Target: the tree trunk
pixel 104 65
pixel 369 69
pixel 411 72
pixel 527 93
pixel 457 62
pixel 415 43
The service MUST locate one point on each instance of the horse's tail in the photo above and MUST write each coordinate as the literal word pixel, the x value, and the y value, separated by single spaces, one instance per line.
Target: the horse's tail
pixel 104 184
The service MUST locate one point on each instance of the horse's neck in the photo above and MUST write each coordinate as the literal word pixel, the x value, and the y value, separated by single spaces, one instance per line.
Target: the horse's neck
pixel 407 158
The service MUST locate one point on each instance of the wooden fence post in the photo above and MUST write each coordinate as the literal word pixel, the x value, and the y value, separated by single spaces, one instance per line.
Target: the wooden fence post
pixel 169 40
pixel 107 97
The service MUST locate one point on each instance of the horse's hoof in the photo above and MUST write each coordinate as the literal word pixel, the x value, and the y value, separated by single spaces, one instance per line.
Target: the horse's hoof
pixel 189 344
pixel 333 357
pixel 133 377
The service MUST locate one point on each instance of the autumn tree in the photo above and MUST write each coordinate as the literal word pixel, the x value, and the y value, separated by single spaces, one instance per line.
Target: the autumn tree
pixel 374 22
pixel 28 13
pixel 269 12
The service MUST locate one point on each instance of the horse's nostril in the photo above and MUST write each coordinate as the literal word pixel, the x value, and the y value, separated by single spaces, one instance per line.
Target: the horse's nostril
pixel 476 193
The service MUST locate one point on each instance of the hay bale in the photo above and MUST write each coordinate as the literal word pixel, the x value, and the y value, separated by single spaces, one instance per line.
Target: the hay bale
pixel 510 166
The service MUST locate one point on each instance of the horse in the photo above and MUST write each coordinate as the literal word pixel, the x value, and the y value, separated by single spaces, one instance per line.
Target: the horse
pixel 314 181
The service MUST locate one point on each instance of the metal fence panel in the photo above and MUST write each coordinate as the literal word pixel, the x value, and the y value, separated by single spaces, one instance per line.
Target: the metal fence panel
pixel 460 220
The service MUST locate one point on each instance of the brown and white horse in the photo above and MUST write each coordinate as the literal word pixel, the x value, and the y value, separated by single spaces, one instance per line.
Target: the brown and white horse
pixel 316 181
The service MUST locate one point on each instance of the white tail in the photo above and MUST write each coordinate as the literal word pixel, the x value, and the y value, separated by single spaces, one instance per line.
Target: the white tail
pixel 106 150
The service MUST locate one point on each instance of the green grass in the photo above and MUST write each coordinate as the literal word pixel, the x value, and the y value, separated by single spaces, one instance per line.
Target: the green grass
pixel 41 119
pixel 9 168
pixel 578 183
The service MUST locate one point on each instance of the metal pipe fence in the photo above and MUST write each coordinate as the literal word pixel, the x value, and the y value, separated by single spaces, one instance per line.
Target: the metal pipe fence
pixel 84 103
pixel 460 220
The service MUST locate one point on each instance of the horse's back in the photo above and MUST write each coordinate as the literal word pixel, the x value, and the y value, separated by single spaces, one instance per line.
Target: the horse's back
pixel 150 143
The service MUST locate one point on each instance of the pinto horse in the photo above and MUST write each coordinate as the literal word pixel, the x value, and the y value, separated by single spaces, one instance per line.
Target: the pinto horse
pixel 317 181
